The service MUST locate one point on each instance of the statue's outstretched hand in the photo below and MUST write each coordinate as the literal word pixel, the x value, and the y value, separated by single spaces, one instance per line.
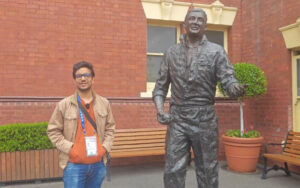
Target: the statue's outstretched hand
pixel 236 90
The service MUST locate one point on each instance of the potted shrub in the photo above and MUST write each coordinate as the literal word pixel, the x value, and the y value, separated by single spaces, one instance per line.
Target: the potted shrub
pixel 26 153
pixel 242 147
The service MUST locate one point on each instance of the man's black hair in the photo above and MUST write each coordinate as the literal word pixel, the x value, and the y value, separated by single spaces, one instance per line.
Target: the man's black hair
pixel 196 10
pixel 81 64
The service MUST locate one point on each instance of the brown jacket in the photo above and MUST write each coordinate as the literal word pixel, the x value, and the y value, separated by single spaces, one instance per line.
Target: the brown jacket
pixel 63 125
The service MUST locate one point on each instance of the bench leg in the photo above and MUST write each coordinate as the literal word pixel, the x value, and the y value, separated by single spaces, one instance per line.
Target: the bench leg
pixel 275 167
pixel 265 171
pixel 286 169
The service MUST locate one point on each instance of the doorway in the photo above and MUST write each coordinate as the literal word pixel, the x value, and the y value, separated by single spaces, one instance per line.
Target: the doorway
pixel 296 89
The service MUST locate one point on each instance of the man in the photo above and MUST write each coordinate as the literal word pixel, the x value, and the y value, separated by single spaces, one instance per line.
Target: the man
pixel 193 68
pixel 82 141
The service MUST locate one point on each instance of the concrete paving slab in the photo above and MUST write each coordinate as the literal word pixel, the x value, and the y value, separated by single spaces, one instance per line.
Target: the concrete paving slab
pixel 151 176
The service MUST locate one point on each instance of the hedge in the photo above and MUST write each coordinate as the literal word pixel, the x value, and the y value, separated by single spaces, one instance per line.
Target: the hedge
pixel 22 137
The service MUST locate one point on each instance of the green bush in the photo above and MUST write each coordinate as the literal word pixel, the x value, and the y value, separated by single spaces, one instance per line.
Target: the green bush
pixel 251 75
pixel 22 137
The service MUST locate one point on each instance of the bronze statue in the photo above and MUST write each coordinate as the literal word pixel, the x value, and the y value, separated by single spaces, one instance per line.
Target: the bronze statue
pixel 193 68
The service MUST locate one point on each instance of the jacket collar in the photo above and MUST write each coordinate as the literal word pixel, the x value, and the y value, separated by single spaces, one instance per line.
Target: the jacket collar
pixel 74 97
pixel 98 103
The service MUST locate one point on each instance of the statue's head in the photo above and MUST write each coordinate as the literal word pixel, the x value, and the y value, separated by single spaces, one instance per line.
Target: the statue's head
pixel 195 22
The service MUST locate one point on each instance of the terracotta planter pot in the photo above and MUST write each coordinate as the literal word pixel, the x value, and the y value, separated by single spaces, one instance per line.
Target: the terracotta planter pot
pixel 242 153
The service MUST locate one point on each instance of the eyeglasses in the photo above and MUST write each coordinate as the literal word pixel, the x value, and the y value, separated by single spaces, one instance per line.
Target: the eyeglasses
pixel 85 75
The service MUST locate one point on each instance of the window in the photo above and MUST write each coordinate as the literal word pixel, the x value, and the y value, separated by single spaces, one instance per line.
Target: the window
pixel 159 39
pixel 215 36
pixel 296 53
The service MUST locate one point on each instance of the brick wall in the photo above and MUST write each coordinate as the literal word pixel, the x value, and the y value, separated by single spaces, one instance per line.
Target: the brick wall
pixel 41 40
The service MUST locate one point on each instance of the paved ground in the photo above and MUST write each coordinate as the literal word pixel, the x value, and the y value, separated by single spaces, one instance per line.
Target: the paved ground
pixel 151 176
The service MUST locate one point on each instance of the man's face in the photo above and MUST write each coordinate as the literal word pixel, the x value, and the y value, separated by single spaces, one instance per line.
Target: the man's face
pixel 195 24
pixel 84 79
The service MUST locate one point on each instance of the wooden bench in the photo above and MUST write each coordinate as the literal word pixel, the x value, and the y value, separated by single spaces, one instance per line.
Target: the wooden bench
pixel 138 142
pixel 290 154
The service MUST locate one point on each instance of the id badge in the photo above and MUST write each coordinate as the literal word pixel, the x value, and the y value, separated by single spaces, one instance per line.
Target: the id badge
pixel 91 146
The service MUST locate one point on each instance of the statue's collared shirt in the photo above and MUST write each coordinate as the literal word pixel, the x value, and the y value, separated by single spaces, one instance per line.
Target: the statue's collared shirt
pixel 194 83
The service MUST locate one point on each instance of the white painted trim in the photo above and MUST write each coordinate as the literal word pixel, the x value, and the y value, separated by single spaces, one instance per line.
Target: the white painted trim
pixel 291 35
pixel 171 10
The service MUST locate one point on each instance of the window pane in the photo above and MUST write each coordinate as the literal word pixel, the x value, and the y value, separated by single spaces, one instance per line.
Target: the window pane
pixel 159 39
pixel 153 65
pixel 298 77
pixel 215 36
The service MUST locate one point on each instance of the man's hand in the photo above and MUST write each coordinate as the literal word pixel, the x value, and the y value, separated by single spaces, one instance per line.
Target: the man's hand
pixel 236 90
pixel 164 118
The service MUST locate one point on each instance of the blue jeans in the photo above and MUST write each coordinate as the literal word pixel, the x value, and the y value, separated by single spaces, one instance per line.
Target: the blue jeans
pixel 84 175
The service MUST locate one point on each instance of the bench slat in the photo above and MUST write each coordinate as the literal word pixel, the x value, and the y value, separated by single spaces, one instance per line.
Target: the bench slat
pixel 140 130
pixel 294 133
pixel 292 151
pixel 291 155
pixel 124 134
pixel 138 146
pixel 151 137
pixel 126 142
pixel 162 148
pixel 293 142
pixel 293 146
pixel 294 138
pixel 283 158
pixel 136 153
